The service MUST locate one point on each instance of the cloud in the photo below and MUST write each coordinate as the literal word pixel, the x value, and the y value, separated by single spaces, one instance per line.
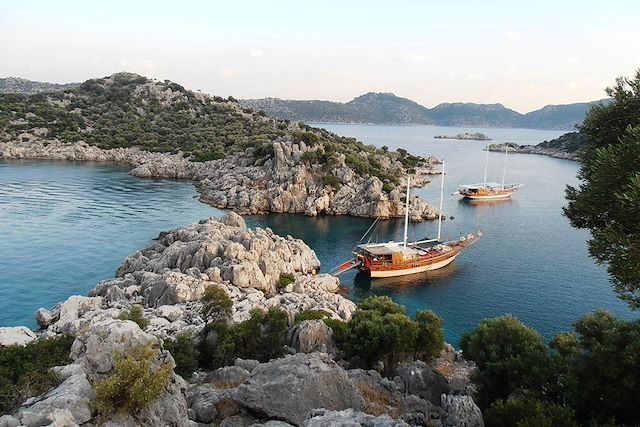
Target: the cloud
pixel 418 57
pixel 255 53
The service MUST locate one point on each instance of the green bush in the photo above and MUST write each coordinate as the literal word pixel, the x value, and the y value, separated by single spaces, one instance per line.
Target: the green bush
pixel 185 353
pixel 136 315
pixel 134 382
pixel 510 357
pixel 381 331
pixel 520 412
pixel 261 337
pixel 284 280
pixel 331 180
pixel 216 304
pixel 24 371
pixel 310 315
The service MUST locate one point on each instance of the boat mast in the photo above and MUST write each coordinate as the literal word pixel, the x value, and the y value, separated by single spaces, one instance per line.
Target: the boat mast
pixel 486 165
pixel 504 169
pixel 406 212
pixel 441 201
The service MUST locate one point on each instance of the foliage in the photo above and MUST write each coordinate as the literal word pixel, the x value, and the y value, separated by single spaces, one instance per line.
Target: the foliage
pixel 510 357
pixel 310 315
pixel 185 353
pixel 136 315
pixel 380 330
pixel 430 339
pixel 134 383
pixel 284 280
pixel 518 412
pixel 604 368
pixel 331 180
pixel 216 304
pixel 261 337
pixel 25 370
pixel 607 202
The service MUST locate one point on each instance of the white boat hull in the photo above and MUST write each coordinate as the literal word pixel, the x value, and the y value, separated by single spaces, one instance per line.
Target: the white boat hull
pixel 414 270
pixel 489 197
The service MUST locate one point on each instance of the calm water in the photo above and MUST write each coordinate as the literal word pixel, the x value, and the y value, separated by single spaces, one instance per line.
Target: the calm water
pixel 66 226
pixel 529 263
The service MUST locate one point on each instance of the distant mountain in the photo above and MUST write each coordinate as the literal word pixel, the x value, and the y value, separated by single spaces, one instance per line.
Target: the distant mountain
pixel 382 108
pixel 387 108
pixel 28 87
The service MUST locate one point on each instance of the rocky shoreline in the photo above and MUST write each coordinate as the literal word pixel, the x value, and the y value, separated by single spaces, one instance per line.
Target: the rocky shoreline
pixel 534 149
pixel 284 183
pixel 307 387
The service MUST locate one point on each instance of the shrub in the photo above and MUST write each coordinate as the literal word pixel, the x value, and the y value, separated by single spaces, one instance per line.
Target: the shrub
pixel 528 413
pixel 331 180
pixel 136 315
pixel 381 331
pixel 430 339
pixel 184 352
pixel 310 315
pixel 216 304
pixel 134 383
pixel 24 371
pixel 284 280
pixel 261 337
pixel 510 357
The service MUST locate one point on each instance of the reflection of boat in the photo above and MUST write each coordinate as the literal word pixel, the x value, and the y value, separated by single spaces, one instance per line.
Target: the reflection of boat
pixel 490 190
pixel 393 259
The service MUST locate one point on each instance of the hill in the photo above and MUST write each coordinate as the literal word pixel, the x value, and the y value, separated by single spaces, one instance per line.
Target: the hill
pixel 238 158
pixel 387 108
pixel 18 85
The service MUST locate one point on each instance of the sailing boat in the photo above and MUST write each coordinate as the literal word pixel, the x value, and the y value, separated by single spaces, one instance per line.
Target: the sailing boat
pixel 490 190
pixel 393 259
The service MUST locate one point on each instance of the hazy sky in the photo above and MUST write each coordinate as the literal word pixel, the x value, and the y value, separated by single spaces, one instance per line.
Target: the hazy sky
pixel 522 54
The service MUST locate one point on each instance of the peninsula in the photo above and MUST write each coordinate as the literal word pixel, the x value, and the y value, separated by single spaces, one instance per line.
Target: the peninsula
pixel 238 159
pixel 568 146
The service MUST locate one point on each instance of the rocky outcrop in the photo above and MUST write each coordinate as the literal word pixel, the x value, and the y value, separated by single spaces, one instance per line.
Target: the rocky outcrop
pixel 16 335
pixel 350 417
pixel 283 183
pixel 558 153
pixel 310 336
pixel 71 403
pixel 476 136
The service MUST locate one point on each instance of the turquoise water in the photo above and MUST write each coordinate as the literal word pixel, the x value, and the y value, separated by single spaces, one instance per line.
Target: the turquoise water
pixel 66 226
pixel 529 263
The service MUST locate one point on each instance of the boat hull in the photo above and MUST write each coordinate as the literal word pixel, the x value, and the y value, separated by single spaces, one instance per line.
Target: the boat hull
pixel 414 270
pixel 488 196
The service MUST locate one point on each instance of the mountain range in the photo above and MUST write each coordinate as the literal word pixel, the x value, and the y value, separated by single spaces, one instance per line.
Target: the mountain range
pixel 381 108
pixel 387 108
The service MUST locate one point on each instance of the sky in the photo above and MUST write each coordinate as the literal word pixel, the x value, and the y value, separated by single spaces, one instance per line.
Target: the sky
pixel 522 54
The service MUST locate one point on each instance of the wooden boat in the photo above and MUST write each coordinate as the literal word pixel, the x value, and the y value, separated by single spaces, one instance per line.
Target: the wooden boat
pixel 393 259
pixel 489 190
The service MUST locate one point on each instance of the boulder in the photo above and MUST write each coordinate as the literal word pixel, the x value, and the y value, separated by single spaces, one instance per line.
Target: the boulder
pixel 423 381
pixel 351 418
pixel 16 335
pixel 288 388
pixel 460 411
pixel 310 336
pixel 227 377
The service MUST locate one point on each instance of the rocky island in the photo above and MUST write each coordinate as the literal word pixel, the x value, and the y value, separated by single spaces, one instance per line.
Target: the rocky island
pixel 238 159
pixel 168 283
pixel 567 146
pixel 477 136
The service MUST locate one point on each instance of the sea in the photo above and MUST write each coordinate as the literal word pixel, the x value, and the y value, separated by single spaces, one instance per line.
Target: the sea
pixel 65 226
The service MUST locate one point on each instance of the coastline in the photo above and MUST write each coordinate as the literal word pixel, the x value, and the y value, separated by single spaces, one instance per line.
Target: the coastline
pixel 534 149
pixel 283 184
